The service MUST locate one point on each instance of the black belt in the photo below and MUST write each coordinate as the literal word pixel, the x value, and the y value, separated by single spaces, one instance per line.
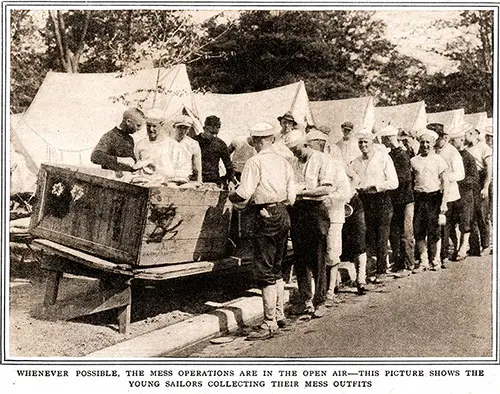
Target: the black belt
pixel 270 204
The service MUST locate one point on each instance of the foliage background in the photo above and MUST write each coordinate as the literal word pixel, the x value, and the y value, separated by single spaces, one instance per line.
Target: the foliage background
pixel 338 54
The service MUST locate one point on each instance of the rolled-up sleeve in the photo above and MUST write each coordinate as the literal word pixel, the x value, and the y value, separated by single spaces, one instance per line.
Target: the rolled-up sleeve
pixel 249 180
pixel 291 188
pixel 456 172
pixel 391 177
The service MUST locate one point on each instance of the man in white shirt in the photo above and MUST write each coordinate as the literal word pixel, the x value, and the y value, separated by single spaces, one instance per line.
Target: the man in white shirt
pixel 482 153
pixel 154 153
pixel 377 176
pixel 335 203
pixel 267 184
pixel 455 174
pixel 348 145
pixel 354 228
pixel 430 190
pixel 186 155
pixel 311 223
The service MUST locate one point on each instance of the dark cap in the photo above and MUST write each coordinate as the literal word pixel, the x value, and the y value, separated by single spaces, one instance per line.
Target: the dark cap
pixel 287 116
pixel 436 127
pixel 212 120
pixel 347 125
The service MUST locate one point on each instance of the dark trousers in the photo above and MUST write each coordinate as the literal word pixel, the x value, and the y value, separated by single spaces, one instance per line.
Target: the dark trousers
pixel 425 222
pixel 269 242
pixel 454 208
pixel 309 231
pixel 401 237
pixel 354 232
pixel 378 216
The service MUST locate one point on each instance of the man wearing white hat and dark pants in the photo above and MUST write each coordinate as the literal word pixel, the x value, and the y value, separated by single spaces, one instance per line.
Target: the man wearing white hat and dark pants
pixel 401 237
pixel 430 190
pixel 455 174
pixel 268 182
pixel 377 176
pixel 469 189
pixel 483 155
pixel 335 203
pixel 311 222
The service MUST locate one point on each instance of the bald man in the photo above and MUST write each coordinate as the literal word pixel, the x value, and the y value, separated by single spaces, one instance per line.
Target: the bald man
pixel 115 149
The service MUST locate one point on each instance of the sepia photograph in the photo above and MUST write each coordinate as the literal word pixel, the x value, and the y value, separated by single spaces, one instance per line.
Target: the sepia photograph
pixel 215 184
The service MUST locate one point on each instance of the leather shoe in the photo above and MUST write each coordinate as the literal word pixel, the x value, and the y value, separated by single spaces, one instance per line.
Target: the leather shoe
pixel 320 311
pixel 260 334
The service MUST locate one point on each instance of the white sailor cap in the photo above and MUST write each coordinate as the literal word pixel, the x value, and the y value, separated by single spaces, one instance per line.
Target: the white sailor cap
pixel 262 129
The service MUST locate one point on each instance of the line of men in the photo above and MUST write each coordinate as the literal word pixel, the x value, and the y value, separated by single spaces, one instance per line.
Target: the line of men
pixel 411 201
pixel 339 202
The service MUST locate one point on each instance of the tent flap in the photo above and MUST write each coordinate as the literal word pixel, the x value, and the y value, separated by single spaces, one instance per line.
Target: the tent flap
pixel 71 112
pixel 238 112
pixel 331 114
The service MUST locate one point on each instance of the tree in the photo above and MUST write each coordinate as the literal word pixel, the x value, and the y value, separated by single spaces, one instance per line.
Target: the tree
pixel 117 40
pixel 96 41
pixel 27 58
pixel 338 54
pixel 471 86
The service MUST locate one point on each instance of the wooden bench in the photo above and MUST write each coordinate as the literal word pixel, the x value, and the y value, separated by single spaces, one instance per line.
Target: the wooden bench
pixel 115 280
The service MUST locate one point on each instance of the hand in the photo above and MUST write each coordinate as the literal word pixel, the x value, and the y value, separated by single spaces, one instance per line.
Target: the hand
pixel 128 161
pixel 444 208
pixel 484 192
pixel 141 164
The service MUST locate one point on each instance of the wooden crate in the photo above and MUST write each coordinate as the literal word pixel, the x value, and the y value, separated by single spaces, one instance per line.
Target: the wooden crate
pixel 129 224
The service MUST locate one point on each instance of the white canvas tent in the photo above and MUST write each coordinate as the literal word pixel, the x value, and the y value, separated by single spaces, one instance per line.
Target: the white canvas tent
pixel 450 119
pixel 478 120
pixel 410 117
pixel 331 114
pixel 71 112
pixel 238 112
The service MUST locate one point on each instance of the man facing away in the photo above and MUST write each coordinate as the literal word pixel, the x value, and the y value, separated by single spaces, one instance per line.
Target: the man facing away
pixel 267 184
pixel 377 176
pixel 115 149
pixel 401 233
pixel 430 190
pixel 213 149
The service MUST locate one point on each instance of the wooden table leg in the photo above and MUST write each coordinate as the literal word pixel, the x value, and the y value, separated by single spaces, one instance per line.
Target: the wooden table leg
pixel 125 311
pixel 52 287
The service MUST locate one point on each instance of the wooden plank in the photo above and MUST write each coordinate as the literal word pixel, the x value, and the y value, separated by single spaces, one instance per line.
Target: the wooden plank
pixel 189 197
pixel 182 250
pixel 184 222
pixel 101 250
pixel 52 287
pixel 85 174
pixel 193 268
pixel 86 304
pixel 83 258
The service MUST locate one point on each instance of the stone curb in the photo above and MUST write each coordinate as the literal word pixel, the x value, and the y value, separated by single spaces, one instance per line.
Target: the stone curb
pixel 226 319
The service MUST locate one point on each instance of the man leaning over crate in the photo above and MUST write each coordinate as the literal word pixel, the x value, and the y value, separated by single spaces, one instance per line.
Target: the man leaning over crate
pixel 267 186
pixel 115 149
